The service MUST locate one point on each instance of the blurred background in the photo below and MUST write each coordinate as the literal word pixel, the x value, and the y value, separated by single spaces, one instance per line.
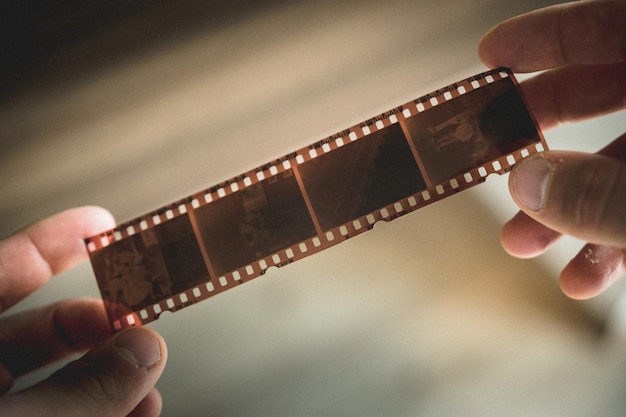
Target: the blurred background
pixel 134 105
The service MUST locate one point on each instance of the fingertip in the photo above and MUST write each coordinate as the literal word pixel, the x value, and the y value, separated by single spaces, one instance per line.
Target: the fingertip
pixel 59 238
pixel 579 287
pixel 525 238
pixel 530 180
pixel 142 347
pixel 498 47
pixel 31 256
pixel 512 244
pixel 593 270
pixel 96 219
pixel 488 49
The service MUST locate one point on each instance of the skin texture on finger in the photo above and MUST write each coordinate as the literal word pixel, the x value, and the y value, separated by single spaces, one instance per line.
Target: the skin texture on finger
pixel 588 32
pixel 576 92
pixel 574 193
pixel 35 338
pixel 33 255
pixel 110 380
pixel 592 271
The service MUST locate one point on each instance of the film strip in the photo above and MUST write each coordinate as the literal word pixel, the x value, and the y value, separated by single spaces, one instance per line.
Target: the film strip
pixel 313 198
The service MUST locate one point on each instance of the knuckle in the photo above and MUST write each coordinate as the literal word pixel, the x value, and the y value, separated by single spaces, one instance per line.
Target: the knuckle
pixel 101 389
pixel 93 386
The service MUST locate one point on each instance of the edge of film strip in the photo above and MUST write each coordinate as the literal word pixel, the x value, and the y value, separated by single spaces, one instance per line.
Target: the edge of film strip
pixel 129 306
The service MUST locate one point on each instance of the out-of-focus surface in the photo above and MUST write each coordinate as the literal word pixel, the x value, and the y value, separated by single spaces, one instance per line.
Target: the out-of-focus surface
pixel 132 107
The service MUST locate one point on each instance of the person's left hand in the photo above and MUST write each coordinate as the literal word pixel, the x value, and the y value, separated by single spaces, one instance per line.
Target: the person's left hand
pixel 115 378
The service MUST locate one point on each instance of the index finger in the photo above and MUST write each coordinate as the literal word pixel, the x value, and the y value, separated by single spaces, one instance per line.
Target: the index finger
pixel 586 32
pixel 30 257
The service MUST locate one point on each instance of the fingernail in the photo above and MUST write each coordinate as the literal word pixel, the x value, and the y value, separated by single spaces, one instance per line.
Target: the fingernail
pixel 532 182
pixel 139 347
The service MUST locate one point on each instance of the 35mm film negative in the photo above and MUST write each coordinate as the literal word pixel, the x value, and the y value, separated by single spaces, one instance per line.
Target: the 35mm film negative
pixel 313 198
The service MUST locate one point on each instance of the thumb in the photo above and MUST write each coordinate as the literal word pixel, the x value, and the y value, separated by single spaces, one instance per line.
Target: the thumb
pixel 110 380
pixel 583 195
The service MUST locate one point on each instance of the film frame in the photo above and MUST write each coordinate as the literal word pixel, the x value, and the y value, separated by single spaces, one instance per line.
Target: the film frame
pixel 316 197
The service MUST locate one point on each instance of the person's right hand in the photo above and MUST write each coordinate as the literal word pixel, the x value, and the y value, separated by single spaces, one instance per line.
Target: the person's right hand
pixel 583 47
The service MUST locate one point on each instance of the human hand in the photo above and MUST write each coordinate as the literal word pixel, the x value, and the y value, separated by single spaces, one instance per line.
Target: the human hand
pixel 116 377
pixel 583 47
